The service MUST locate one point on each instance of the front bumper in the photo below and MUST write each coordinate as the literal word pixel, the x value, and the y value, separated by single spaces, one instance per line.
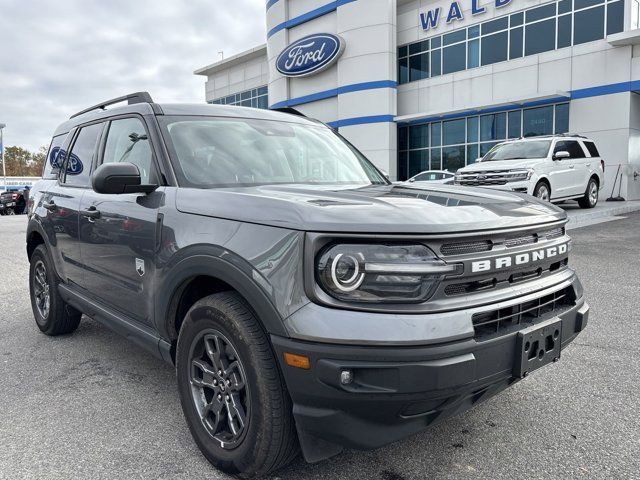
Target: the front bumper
pixel 523 186
pixel 397 391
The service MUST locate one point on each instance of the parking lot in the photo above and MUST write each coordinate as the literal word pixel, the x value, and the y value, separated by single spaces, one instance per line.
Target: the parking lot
pixel 92 405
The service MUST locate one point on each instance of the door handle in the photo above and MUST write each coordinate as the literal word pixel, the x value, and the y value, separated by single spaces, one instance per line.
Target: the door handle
pixel 50 206
pixel 572 166
pixel 91 213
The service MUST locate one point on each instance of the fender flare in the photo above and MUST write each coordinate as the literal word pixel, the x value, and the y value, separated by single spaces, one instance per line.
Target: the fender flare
pixel 217 262
pixel 34 226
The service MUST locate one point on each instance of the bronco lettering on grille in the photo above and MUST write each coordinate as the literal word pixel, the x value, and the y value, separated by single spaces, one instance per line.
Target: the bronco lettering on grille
pixel 518 259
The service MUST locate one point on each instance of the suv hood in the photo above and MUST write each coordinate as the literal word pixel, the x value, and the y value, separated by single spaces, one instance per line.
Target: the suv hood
pixel 374 209
pixel 502 165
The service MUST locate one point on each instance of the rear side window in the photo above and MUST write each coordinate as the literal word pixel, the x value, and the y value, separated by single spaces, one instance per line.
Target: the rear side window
pixel 80 157
pixel 571 146
pixel 127 141
pixel 54 156
pixel 593 151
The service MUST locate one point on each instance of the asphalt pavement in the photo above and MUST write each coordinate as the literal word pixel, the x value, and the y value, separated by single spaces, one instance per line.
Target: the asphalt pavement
pixel 93 405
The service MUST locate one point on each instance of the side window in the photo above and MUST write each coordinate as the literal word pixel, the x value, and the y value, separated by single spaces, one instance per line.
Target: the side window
pixel 593 151
pixel 54 156
pixel 127 141
pixel 79 159
pixel 571 146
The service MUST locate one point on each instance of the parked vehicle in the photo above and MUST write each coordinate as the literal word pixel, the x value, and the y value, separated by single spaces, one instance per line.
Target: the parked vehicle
pixel 551 168
pixel 432 176
pixel 305 301
pixel 13 202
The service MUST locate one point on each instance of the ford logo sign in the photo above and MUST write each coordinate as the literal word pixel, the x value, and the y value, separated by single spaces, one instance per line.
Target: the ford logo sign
pixel 310 55
pixel 74 164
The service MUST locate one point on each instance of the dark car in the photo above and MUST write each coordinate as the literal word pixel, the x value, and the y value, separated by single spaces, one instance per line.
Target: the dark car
pixel 305 301
pixel 14 201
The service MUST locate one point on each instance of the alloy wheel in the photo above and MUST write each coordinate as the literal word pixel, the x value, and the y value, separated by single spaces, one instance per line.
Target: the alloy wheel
pixel 543 193
pixel 219 388
pixel 593 193
pixel 41 289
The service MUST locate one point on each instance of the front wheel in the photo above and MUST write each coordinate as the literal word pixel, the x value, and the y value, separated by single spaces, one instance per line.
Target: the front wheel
pixel 10 211
pixel 590 198
pixel 542 191
pixel 231 390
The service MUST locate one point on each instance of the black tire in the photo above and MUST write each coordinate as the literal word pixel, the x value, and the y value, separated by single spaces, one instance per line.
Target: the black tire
pixel 590 198
pixel 58 318
pixel 11 211
pixel 542 191
pixel 268 439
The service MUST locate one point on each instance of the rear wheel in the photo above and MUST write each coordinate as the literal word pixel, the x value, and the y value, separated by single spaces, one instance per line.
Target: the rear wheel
pixel 542 191
pixel 11 211
pixel 590 198
pixel 232 393
pixel 53 316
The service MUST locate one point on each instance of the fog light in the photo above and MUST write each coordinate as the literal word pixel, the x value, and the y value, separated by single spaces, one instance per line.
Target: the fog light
pixel 346 377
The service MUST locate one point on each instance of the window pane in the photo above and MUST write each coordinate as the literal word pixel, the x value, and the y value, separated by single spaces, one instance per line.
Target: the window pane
pixel 474 31
pixel 436 131
pixel 579 4
pixel 453 158
pixel 402 51
pixel 403 141
pixel 127 141
pixel 515 47
pixel 453 131
pixel 537 121
pixel 454 37
pixel 436 159
pixel 485 147
pixel 263 102
pixel 419 136
pixel 79 160
pixel 571 146
pixel 263 91
pixel 418 161
pixel 516 19
pixel 403 70
pixel 436 42
pixel 495 25
pixel 564 6
pixel 418 67
pixel 593 151
pixel 494 48
pixel 473 59
pixel 493 127
pixel 541 37
pixel 402 166
pixel 419 47
pixel 564 31
pixel 562 118
pixel 472 129
pixel 436 56
pixel 615 17
pixel 472 153
pixel 454 58
pixel 514 123
pixel 539 13
pixel 588 25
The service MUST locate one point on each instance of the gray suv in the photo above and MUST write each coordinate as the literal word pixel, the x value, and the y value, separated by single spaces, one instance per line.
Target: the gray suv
pixel 306 302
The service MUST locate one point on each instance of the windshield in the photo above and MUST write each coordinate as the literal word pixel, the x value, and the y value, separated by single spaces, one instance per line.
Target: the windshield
pixel 223 152
pixel 519 150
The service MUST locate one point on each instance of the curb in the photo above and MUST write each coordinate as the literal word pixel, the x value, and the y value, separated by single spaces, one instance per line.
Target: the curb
pixel 587 217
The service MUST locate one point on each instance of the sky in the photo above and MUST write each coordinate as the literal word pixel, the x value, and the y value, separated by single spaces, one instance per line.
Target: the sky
pixel 58 57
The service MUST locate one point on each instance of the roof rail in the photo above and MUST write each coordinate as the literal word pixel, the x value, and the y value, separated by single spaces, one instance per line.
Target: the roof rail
pixel 289 110
pixel 137 97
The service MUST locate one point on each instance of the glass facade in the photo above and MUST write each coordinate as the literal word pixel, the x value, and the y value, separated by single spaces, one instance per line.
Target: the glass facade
pixel 540 29
pixel 257 98
pixel 452 144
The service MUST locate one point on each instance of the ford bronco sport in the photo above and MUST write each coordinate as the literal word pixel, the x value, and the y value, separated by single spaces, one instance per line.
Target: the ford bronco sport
pixel 306 302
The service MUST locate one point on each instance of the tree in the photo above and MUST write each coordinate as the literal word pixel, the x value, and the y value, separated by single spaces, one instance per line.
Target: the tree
pixel 20 162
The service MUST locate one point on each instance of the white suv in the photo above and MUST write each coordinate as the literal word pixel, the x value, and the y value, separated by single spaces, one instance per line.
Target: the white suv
pixel 552 168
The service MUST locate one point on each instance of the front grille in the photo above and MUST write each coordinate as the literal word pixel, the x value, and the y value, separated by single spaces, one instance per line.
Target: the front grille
pixel 503 320
pixel 463 248
pixel 491 177
pixel 521 240
pixel 555 233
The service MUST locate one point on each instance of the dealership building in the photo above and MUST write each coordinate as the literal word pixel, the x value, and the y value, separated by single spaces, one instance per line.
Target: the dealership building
pixel 434 84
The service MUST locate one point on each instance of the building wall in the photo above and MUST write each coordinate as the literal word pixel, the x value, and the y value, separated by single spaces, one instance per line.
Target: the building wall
pixel 239 78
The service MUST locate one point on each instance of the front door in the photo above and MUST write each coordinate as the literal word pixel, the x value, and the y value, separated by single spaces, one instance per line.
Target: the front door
pixel 563 173
pixel 118 232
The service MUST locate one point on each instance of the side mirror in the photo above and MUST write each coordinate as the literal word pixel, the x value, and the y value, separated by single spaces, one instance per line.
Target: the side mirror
pixel 562 154
pixel 117 178
pixel 411 180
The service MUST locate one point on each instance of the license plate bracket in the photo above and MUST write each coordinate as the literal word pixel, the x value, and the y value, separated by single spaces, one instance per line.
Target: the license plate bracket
pixel 537 346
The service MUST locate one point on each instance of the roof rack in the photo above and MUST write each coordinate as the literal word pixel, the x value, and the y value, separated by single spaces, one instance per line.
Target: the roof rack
pixel 289 110
pixel 137 97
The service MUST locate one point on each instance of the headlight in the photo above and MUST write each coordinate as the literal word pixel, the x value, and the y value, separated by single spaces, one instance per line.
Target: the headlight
pixel 380 273
pixel 519 175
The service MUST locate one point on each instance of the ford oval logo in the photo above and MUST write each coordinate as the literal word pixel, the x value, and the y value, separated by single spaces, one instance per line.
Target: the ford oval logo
pixel 74 165
pixel 310 55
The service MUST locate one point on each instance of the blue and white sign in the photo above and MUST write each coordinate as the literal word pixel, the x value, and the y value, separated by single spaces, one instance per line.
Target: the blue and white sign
pixel 430 19
pixel 74 164
pixel 310 55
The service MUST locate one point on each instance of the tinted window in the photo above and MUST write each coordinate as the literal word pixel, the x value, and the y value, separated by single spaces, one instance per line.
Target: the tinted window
pixel 539 13
pixel 455 58
pixel 564 31
pixel 571 146
pixel 493 127
pixel 495 25
pixel 593 151
pixel 562 118
pixel 540 37
pixel 79 160
pixel 454 37
pixel 436 132
pixel 537 121
pixel 402 138
pixel 453 132
pixel 419 136
pixel 418 161
pixel 127 141
pixel 453 158
pixel 418 67
pixel 403 70
pixel 494 48
pixel 436 61
pixel 54 156
pixel 615 17
pixel 473 54
pixel 472 129
pixel 515 45
pixel 588 25
pixel 515 118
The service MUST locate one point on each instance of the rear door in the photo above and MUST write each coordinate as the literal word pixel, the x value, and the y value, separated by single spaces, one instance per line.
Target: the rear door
pixel 118 232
